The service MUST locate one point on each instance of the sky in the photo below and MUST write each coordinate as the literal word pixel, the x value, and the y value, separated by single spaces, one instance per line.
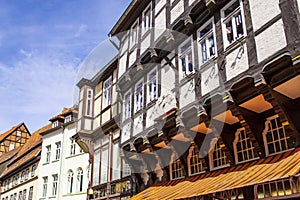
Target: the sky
pixel 44 49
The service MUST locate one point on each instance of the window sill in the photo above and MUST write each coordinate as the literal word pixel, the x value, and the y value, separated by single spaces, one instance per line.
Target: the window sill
pixel 220 167
pixel 208 63
pixel 145 33
pixel 272 154
pixel 52 197
pixel 172 179
pixel 75 155
pixel 54 161
pixel 237 43
pixel 245 161
pixel 47 163
pixel 74 194
pixel 151 103
pixel 187 78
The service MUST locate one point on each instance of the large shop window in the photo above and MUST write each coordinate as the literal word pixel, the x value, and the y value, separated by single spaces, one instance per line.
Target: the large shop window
pixel 139 96
pixel 233 27
pixel 152 86
pixel 107 92
pixel 176 170
pixel 218 158
pixel 194 161
pixel 243 146
pixel 186 58
pixel 274 136
pixel 275 189
pixel 207 43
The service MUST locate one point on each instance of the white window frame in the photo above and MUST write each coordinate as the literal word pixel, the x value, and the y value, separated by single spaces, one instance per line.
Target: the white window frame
pixel 198 165
pixel 251 148
pixel 147 19
pixel 211 157
pixel 48 154
pixel 70 182
pixel 231 17
pixel 266 131
pixel 89 101
pixel 58 150
pixel 45 183
pixel 107 94
pixel 185 54
pixel 206 39
pixel 55 124
pixel 68 118
pixel 134 33
pixel 54 184
pixel 179 168
pixel 72 147
pixel 127 105
pixel 79 180
pixel 150 84
pixel 138 105
pixel 33 168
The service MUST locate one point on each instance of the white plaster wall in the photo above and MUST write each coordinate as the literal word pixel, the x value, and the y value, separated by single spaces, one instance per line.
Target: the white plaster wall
pixel 177 10
pixel 271 40
pixel 145 43
pixel 81 94
pixel 106 116
pixel 298 2
pixel 151 113
pixel 210 79
pixel 159 6
pixel 160 24
pixel 97 106
pixel 124 46
pixel 80 109
pixel 88 124
pixel 187 94
pixel 137 125
pixel 167 79
pixel 132 58
pixel 122 65
pixel 125 135
pixel 236 62
pixel 96 123
pixel 263 11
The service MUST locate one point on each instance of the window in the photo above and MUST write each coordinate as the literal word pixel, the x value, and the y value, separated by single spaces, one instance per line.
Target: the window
pixel 176 170
pixel 73 147
pixel 54 185
pixel 8 183
pixel 24 194
pixel 104 163
pixel 134 34
pixel 152 86
pixel 127 105
pixel 17 180
pixel 207 42
pixel 33 170
pixel 22 176
pixel 218 158
pixel 275 189
pixel 70 181
pixel 57 152
pixel 48 153
pixel 232 22
pixel 147 19
pixel 20 195
pixel 139 96
pixel 89 103
pixel 186 61
pixel 45 182
pixel 79 180
pixel 11 197
pixel 30 194
pixel 68 118
pixel 274 136
pixel 243 146
pixel 107 92
pixel 194 161
pixel 55 124
pixel 126 171
pixel 15 196
pixel 96 167
pixel 26 174
pixel 116 161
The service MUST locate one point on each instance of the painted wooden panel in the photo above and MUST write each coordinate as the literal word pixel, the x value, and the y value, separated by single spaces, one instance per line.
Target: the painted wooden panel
pixel 177 10
pixel 88 124
pixel 210 79
pixel 187 93
pixel 145 43
pixel 97 106
pixel 159 6
pixel 122 65
pixel 125 132
pixel 138 125
pixel 96 123
pixel 160 24
pixel 132 58
pixel 106 116
pixel 167 79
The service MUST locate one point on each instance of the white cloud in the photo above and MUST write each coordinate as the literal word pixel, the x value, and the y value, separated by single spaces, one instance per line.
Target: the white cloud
pixel 82 29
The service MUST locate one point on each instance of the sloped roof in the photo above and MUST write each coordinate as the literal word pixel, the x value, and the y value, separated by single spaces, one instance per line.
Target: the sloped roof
pixel 64 112
pixel 28 151
pixel 12 129
pixel 5 157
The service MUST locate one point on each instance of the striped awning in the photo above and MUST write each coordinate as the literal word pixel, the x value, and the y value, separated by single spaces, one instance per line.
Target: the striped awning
pixel 263 170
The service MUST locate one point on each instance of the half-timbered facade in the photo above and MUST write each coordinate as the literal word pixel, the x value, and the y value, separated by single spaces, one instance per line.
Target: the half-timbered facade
pixel 99 134
pixel 209 91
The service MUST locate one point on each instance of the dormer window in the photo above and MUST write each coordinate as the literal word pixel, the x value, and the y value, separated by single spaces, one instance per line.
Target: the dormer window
pixel 274 136
pixel 194 161
pixel 55 124
pixel 68 118
pixel 186 60
pixel 176 170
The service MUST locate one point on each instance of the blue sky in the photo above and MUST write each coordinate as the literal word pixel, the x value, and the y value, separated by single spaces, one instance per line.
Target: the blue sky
pixel 43 44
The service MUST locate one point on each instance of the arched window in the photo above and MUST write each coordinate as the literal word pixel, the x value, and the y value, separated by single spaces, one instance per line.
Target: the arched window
pixel 194 161
pixel 218 158
pixel 243 146
pixel 70 181
pixel 176 170
pixel 79 180
pixel 274 136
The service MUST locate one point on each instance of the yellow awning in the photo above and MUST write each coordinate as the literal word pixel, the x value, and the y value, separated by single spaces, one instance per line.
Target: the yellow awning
pixel 272 168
